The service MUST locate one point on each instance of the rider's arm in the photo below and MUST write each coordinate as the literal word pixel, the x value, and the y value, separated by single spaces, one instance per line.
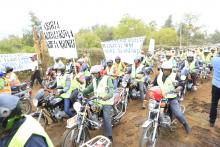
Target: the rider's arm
pixel 88 89
pixel 111 88
pixel 36 141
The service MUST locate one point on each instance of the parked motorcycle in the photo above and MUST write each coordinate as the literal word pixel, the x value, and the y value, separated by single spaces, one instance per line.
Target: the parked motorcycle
pixel 204 72
pixel 24 92
pixel 50 108
pixel 89 116
pixel 159 117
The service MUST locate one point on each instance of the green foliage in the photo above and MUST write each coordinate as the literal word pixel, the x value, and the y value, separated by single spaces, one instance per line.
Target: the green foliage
pixel 104 32
pixel 215 37
pixel 129 27
pixel 168 22
pixel 14 44
pixel 87 39
pixel 166 36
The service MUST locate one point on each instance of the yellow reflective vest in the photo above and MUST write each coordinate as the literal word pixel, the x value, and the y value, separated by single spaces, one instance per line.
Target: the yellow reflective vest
pixel 26 130
pixel 167 87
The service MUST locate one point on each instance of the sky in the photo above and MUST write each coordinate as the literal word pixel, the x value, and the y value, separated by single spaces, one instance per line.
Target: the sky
pixel 76 14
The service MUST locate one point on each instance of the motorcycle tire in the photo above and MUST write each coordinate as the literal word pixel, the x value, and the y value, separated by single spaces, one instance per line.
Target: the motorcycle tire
pixel 26 106
pixel 146 136
pixel 70 136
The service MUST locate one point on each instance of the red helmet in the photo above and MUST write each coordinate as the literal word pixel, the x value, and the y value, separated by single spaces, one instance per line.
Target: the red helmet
pixel 155 93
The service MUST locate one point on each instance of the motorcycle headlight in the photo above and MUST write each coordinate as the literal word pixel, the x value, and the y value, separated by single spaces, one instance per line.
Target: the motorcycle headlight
pixel 124 84
pixel 152 104
pixel 77 106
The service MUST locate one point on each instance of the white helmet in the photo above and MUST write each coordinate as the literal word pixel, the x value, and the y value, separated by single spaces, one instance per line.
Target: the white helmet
pixel 95 69
pixel 190 54
pixel 206 50
pixel 167 65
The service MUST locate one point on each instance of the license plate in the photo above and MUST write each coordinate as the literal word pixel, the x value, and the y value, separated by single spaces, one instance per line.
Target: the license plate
pixel 71 122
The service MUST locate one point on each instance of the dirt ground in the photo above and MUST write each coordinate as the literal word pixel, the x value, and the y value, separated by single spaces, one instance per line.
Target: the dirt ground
pixel 127 133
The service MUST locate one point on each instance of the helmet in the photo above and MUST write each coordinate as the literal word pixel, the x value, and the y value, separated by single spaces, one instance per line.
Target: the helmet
pixel 62 69
pixel 9 69
pixel 190 54
pixel 109 62
pixel 206 50
pixel 167 65
pixel 10 110
pixel 96 69
pixel 80 61
pixel 137 59
pixel 1 74
pixel 155 93
pixel 84 67
pixel 69 60
pixel 117 58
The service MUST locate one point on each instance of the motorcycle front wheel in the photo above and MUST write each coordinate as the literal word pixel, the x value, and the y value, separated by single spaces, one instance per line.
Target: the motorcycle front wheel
pixel 26 106
pixel 146 136
pixel 70 137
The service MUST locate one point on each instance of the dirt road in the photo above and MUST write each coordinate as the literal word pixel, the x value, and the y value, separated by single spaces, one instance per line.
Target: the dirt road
pixel 127 133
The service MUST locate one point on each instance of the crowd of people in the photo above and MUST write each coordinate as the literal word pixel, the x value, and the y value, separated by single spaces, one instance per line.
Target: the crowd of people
pixel 103 80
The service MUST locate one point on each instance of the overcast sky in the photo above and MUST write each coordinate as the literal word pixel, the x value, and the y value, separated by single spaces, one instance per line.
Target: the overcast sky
pixel 84 13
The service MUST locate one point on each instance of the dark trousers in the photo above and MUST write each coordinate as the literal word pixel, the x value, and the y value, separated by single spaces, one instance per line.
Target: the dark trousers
pixel 36 75
pixel 214 103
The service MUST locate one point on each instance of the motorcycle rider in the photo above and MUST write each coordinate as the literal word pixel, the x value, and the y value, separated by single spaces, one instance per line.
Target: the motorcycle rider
pixel 103 88
pixel 69 65
pixel 189 67
pixel 137 75
pixel 165 81
pixel 120 66
pixel 149 60
pixel 4 84
pixel 19 130
pixel 12 77
pixel 85 72
pixel 64 82
pixel 113 72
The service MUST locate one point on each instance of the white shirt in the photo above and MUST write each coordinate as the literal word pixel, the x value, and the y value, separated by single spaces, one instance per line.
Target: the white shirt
pixel 34 65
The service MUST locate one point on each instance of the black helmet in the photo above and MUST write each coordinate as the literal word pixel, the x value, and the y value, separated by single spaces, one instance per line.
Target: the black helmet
pixel 117 59
pixel 9 69
pixel 10 110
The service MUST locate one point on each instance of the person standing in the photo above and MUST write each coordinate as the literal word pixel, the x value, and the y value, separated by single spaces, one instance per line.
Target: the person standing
pixel 215 88
pixel 35 71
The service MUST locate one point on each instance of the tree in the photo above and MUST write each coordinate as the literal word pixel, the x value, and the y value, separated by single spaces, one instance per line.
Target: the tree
pixel 168 22
pixel 166 36
pixel 87 39
pixel 129 27
pixel 104 32
pixel 215 37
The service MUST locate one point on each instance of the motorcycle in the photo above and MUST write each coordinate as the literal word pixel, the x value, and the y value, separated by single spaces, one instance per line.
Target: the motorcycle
pixel 159 117
pixel 89 117
pixel 204 71
pixel 50 108
pixel 98 141
pixel 24 92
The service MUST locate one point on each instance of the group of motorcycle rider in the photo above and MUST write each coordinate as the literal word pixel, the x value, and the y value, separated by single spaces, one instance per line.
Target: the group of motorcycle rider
pixel 102 80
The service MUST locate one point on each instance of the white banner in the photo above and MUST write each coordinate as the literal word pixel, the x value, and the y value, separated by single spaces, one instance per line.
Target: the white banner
pixel 19 62
pixel 151 46
pixel 128 49
pixel 60 42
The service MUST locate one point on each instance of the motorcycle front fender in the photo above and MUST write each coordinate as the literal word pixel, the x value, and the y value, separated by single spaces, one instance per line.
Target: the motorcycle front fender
pixel 147 123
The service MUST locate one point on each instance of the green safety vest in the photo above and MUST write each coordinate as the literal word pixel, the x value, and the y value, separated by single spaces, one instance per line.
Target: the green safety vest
pixel 102 90
pixel 26 130
pixel 61 80
pixel 191 66
pixel 206 59
pixel 167 87
pixel 119 67
pixel 135 71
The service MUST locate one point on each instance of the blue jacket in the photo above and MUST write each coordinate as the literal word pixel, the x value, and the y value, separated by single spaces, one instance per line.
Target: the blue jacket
pixel 34 140
pixel 216 70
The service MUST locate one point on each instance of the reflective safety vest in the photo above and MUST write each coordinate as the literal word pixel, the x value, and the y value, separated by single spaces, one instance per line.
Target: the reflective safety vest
pixel 136 71
pixel 26 130
pixel 15 82
pixel 61 80
pixel 206 59
pixel 120 67
pixel 112 71
pixel 191 66
pixel 7 88
pixel 102 90
pixel 167 87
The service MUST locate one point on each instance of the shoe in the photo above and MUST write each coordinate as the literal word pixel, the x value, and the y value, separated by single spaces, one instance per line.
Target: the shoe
pixel 211 124
pixel 187 128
